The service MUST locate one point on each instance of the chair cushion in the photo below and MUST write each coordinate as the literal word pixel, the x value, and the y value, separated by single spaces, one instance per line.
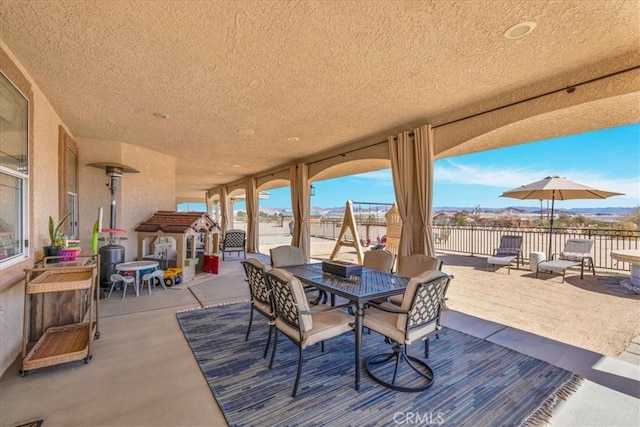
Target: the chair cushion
pixel 557 266
pixel 386 323
pixel 325 326
pixel 507 251
pixel 501 259
pixel 263 308
pixel 574 256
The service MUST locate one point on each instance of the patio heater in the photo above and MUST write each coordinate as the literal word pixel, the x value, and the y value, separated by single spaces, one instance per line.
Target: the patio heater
pixel 111 254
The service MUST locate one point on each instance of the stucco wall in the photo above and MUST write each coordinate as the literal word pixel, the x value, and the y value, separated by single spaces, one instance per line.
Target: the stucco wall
pixel 140 194
pixel 43 202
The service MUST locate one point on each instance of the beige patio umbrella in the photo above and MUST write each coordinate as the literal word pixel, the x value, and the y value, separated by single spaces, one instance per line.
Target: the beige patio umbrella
pixel 556 188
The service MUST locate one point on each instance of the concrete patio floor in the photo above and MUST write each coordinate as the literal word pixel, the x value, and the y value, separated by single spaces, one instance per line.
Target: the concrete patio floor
pixel 144 374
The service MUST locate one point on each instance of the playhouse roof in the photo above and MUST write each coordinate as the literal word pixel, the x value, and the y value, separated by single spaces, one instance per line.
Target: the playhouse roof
pixel 177 222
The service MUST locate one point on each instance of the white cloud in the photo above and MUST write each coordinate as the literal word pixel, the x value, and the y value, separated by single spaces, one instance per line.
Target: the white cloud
pixel 506 178
pixel 454 173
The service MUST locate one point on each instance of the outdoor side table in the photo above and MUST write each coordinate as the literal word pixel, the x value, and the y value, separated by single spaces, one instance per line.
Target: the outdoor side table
pixel 632 256
pixel 535 258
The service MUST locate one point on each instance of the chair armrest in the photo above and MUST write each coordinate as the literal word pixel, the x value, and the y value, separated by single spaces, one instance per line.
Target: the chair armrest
pixel 310 289
pixel 388 309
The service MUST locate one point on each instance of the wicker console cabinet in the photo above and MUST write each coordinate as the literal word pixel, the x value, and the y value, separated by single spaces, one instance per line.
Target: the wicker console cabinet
pixel 68 342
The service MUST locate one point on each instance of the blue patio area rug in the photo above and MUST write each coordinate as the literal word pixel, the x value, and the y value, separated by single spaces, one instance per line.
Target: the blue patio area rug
pixel 477 383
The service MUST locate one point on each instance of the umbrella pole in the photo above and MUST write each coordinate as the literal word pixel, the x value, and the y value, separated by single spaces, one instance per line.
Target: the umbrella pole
pixel 553 194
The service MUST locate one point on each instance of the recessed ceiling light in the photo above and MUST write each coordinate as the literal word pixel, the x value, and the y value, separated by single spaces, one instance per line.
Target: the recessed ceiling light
pixel 293 138
pixel 161 115
pixel 235 166
pixel 246 131
pixel 520 30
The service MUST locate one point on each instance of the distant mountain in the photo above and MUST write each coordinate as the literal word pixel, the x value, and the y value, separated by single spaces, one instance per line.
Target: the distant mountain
pixel 339 211
pixel 603 211
pixel 530 209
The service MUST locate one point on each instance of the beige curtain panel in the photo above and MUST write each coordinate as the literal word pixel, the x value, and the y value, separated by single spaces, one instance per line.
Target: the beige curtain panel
pixel 412 171
pixel 424 157
pixel 300 202
pixel 402 171
pixel 253 211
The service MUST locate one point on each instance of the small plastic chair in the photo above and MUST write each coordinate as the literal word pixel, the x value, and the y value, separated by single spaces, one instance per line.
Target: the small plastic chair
pixel 117 278
pixel 148 279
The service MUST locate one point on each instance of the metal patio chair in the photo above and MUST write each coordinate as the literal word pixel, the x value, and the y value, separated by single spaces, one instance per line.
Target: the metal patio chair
pixel 416 319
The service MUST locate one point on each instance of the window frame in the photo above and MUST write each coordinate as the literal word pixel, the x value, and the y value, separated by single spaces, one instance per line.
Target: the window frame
pixel 66 144
pixel 24 177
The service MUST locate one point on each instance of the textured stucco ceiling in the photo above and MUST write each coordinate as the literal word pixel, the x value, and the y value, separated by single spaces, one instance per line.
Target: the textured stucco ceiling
pixel 327 73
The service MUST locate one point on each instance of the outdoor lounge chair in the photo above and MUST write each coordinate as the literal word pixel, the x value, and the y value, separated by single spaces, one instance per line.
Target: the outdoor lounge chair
pixel 510 249
pixel 416 319
pixel 261 300
pixel 234 241
pixel 296 320
pixel 576 252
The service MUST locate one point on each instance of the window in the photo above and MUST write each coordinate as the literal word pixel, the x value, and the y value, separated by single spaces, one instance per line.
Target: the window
pixel 14 172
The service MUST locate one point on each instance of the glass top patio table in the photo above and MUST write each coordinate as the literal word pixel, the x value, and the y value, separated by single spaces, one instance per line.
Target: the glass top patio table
pixel 369 286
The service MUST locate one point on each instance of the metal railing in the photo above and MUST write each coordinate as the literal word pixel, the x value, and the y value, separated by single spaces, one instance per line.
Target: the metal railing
pixel 484 240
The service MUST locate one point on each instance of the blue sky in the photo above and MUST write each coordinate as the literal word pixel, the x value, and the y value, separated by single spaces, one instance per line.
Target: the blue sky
pixel 607 159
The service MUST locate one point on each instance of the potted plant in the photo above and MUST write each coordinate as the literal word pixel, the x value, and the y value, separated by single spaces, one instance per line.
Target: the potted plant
pixel 56 237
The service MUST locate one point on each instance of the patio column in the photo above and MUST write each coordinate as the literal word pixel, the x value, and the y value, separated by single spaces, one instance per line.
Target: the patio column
pixel 252 216
pixel 207 202
pixel 411 157
pixel 300 203
pixel 224 209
